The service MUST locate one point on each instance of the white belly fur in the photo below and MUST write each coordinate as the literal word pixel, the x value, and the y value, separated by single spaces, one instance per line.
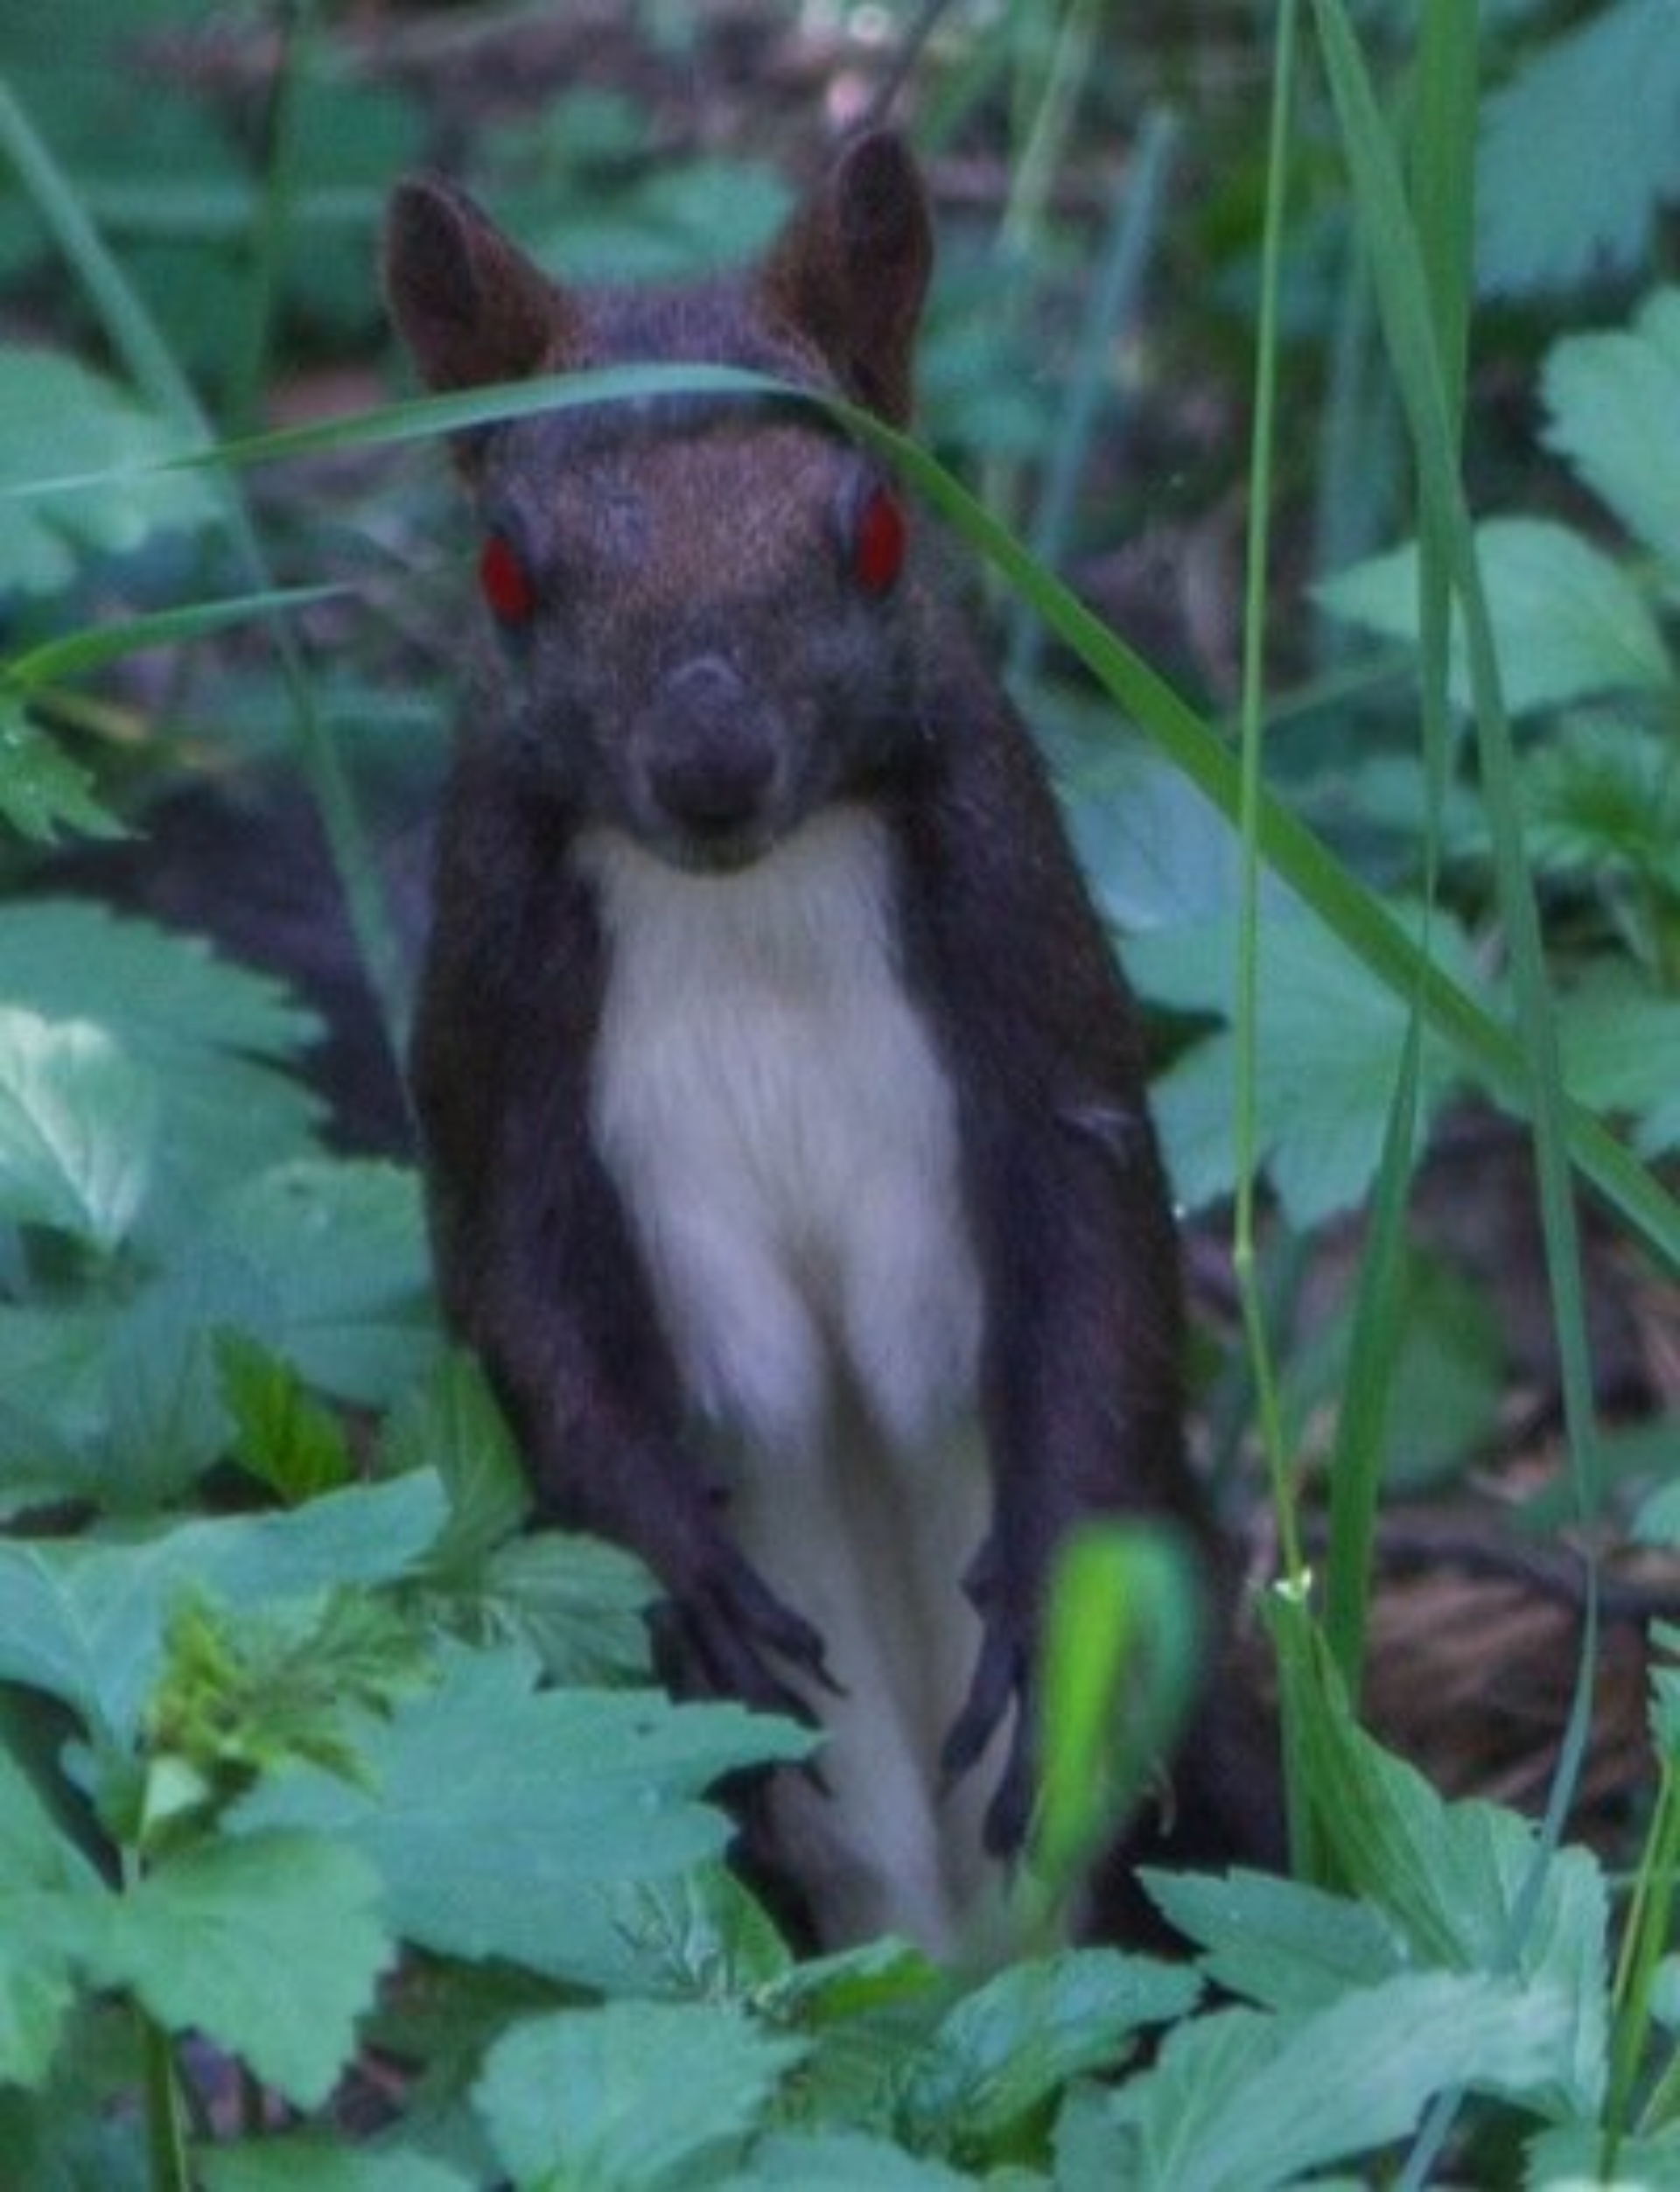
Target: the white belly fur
pixel 774 1113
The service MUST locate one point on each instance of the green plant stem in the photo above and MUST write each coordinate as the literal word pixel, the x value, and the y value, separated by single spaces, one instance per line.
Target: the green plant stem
pixel 274 214
pixel 1246 1013
pixel 1133 226
pixel 1645 1940
pixel 1442 180
pixel 1033 168
pixel 166 2145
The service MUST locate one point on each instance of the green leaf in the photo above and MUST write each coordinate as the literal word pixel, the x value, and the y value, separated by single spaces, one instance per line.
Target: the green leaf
pixel 52 1364
pixel 1467 1885
pixel 1329 1047
pixel 164 1418
pixel 85 1621
pixel 295 1445
pixel 310 2162
pixel 1621 1047
pixel 451 1423
pixel 341 1246
pixel 79 1121
pixel 1612 399
pixel 245 1694
pixel 42 1877
pixel 1243 2102
pixel 1568 2159
pixel 1009 2045
pixel 97 426
pixel 1275 1942
pixel 206 1029
pixel 42 792
pixel 698 1934
pixel 499 1816
pixel 580 1604
pixel 1555 208
pixel 270 1944
pixel 1123 1643
pixel 166 995
pixel 634 2097
pixel 1568 621
pixel 1449 1359
pixel 840 2162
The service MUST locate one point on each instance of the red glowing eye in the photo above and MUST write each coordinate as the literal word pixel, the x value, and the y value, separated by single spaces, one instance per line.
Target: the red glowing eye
pixel 878 538
pixel 504 581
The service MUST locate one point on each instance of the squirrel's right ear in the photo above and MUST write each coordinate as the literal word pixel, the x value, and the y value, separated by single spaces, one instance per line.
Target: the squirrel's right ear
pixel 470 307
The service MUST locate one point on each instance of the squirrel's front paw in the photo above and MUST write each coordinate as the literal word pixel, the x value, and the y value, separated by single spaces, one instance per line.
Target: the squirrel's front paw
pixel 730 1628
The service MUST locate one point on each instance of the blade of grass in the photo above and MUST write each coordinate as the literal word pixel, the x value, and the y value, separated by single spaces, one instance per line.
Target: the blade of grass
pixel 80 652
pixel 1430 389
pixel 1245 1020
pixel 1403 291
pixel 275 213
pixel 1483 1046
pixel 137 339
pixel 1442 178
pixel 1133 226
pixel 1305 1855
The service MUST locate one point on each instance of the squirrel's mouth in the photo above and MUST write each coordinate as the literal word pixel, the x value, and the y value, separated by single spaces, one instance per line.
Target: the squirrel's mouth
pixel 716 849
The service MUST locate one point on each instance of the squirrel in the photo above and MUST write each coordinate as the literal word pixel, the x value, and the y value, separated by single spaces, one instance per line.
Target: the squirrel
pixel 782 1106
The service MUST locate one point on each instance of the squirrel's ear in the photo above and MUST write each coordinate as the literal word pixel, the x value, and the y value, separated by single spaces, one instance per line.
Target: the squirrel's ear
pixel 851 270
pixel 468 303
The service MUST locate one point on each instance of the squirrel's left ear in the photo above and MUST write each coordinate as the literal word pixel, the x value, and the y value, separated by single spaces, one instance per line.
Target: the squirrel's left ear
pixel 851 269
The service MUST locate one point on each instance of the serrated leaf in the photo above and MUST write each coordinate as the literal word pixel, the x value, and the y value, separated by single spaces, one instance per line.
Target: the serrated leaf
pixel 1611 399
pixel 159 991
pixel 1016 2040
pixel 340 1247
pixel 53 1376
pixel 206 1029
pixel 1276 1943
pixel 41 1939
pixel 579 1603
pixel 697 1935
pixel 270 1944
pixel 295 1445
pixel 1554 207
pixel 1568 621
pixel 42 1876
pixel 1569 2159
pixel 1330 1043
pixel 164 1419
pixel 451 1423
pixel 634 2097
pixel 84 1621
pixel 888 1974
pixel 310 2162
pixel 1467 1885
pixel 841 2161
pixel 500 1816
pixel 79 1122
pixel 96 427
pixel 1622 1054
pixel 1244 2102
pixel 42 792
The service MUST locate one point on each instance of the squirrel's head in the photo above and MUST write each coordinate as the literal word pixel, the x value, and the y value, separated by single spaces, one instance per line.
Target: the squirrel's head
pixel 703 601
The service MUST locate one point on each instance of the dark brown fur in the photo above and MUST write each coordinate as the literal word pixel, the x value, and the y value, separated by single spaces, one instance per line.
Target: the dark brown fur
pixel 886 704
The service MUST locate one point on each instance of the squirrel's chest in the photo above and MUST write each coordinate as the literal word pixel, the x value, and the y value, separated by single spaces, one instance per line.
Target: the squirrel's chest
pixel 771 1106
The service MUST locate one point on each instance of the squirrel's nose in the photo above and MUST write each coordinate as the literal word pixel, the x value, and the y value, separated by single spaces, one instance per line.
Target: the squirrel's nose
pixel 712 757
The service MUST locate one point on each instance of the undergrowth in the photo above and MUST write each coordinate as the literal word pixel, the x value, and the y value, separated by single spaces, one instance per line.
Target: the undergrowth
pixel 344 1839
